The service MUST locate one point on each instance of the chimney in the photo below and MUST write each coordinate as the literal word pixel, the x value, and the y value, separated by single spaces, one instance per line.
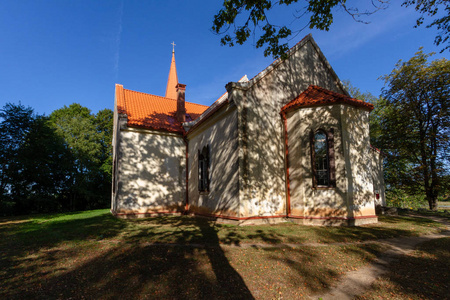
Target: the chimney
pixel 181 109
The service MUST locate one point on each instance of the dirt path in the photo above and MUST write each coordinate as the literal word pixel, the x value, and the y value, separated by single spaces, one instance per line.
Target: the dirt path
pixel 357 282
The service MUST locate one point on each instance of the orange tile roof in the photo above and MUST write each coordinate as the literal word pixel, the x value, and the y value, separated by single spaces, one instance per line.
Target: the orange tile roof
pixel 317 96
pixel 153 112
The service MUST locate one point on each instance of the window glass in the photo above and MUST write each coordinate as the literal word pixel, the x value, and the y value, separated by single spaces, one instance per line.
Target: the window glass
pixel 321 158
pixel 203 169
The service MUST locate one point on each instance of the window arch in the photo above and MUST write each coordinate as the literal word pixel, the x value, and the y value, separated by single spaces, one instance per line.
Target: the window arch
pixel 203 169
pixel 322 158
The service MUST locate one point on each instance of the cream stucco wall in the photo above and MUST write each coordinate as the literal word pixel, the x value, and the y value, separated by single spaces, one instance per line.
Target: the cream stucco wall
pixel 353 196
pixel 307 201
pixel 151 172
pixel 358 161
pixel 378 177
pixel 220 133
pixel 261 133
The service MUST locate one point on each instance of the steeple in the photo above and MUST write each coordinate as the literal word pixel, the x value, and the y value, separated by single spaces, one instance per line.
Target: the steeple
pixel 172 82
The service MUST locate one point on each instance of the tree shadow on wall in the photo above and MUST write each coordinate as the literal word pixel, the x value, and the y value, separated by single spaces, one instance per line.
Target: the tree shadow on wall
pixel 151 171
pixel 263 129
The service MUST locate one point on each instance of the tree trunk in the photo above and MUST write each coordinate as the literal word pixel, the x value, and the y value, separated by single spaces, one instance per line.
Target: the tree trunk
pixel 432 203
pixel 434 186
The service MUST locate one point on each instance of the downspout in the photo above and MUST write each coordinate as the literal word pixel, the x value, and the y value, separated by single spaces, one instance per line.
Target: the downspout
pixel 288 184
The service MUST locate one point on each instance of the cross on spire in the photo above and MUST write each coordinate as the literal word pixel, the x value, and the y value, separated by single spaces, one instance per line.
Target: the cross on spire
pixel 171 90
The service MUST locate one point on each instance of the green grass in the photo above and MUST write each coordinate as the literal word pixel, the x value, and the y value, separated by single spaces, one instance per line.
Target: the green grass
pixel 424 274
pixel 94 255
pixel 427 213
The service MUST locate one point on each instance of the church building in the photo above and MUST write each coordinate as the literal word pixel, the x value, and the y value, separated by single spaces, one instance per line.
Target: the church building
pixel 289 143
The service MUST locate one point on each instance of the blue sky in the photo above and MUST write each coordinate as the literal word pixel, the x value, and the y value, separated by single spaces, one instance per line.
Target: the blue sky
pixel 54 53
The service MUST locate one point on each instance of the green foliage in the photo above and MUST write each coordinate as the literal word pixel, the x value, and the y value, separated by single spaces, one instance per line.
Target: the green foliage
pixel 414 121
pixel 400 198
pixel 256 20
pixel 17 123
pixel 238 20
pixel 56 163
pixel 431 8
pixel 104 125
pixel 88 137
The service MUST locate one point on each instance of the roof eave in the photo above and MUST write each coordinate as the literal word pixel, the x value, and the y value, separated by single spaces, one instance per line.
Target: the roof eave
pixel 180 131
pixel 206 117
pixel 299 106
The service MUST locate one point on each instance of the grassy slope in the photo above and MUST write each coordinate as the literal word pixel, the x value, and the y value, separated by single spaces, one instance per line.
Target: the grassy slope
pixel 92 254
pixel 423 274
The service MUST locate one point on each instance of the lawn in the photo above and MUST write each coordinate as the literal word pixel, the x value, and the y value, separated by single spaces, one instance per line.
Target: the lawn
pixel 431 281
pixel 94 255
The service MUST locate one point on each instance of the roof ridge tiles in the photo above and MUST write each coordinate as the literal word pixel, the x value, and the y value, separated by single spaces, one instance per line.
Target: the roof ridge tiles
pixel 155 112
pixel 164 97
pixel 312 97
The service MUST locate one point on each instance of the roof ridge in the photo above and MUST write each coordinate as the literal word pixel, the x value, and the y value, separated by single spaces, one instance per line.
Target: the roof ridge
pixel 336 94
pixel 164 97
pixel 312 90
pixel 279 59
pixel 196 104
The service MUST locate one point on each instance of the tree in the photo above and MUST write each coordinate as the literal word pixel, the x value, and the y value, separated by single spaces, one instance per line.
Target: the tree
pixel 245 18
pixel 56 163
pixel 431 8
pixel 104 123
pixel 416 123
pixel 32 156
pixel 45 164
pixel 16 123
pixel 88 137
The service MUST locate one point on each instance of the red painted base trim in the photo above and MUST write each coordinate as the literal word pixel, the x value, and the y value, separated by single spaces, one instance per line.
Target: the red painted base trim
pixel 243 218
pixel 332 218
pixel 238 218
pixel 149 213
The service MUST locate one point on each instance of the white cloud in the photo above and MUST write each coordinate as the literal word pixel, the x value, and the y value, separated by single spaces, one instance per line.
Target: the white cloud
pixel 117 43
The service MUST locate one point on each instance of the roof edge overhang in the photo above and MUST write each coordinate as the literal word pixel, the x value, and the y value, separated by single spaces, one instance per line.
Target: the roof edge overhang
pixel 215 106
pixel 297 107
pixel 340 99
pixel 207 117
pixel 162 130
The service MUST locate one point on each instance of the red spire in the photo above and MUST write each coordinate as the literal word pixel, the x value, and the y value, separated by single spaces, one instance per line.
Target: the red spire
pixel 171 89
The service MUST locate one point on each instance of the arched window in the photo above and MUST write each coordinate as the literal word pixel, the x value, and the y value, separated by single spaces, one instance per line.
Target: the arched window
pixel 203 169
pixel 322 158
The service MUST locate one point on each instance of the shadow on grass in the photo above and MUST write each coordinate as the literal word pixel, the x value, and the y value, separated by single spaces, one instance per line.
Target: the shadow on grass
pixel 227 283
pixel 104 257
pixel 182 230
pixel 136 271
pixel 128 268
pixel 423 274
pixel 388 227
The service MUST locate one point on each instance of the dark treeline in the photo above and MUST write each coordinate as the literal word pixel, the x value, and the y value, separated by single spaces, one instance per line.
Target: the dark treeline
pixel 60 162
